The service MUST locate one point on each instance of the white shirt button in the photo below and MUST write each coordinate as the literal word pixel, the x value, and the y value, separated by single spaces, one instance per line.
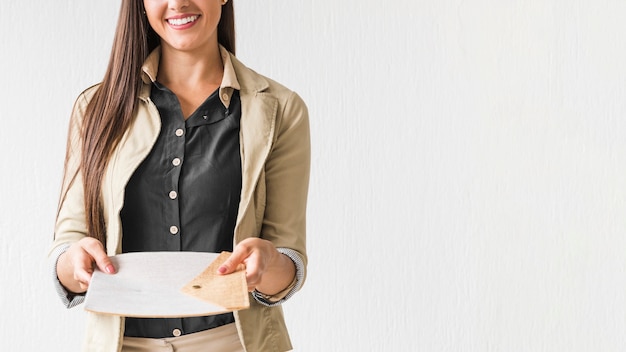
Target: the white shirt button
pixel 179 132
pixel 173 230
pixel 176 161
pixel 176 332
pixel 225 96
pixel 173 195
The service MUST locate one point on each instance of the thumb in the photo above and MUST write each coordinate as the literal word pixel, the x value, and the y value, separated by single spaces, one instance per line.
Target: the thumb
pixel 102 260
pixel 231 264
pixel 106 265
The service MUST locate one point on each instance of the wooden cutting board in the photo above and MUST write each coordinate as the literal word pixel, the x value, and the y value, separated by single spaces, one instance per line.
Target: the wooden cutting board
pixel 228 291
pixel 148 285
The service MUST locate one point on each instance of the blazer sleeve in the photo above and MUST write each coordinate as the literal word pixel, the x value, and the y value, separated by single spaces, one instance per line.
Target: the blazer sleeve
pixel 70 225
pixel 287 172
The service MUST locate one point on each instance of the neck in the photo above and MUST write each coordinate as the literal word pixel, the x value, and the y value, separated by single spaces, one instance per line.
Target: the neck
pixel 190 68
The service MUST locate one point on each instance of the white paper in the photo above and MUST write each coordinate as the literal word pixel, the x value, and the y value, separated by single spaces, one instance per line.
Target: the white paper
pixel 148 284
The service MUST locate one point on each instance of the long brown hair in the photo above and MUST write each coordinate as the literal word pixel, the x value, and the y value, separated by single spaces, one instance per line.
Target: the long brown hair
pixel 110 112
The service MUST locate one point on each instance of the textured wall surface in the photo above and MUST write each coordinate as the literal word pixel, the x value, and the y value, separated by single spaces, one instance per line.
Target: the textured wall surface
pixel 468 184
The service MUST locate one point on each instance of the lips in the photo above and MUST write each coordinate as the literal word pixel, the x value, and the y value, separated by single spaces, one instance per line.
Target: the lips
pixel 182 21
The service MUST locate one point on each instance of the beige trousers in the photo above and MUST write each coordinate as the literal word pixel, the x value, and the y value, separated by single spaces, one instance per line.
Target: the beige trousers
pixel 220 339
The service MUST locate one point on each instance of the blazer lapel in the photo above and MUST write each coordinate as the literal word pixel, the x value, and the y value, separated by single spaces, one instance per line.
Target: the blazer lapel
pixel 258 122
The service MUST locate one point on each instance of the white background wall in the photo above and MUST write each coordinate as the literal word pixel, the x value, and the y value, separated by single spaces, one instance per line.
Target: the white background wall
pixel 469 157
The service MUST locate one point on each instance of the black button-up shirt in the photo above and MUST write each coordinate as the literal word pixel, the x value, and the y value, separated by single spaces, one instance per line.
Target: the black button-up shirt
pixel 185 194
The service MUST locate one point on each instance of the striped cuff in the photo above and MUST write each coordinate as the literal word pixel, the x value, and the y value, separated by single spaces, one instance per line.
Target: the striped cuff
pixel 69 299
pixel 281 297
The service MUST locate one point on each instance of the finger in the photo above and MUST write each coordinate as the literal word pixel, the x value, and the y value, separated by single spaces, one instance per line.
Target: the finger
pixel 83 286
pixel 253 273
pixel 253 279
pixel 96 250
pixel 83 277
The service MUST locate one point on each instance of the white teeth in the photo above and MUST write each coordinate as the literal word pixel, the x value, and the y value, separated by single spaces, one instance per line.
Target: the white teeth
pixel 182 21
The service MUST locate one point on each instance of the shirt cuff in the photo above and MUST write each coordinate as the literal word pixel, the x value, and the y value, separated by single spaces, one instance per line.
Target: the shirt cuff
pixel 281 297
pixel 69 299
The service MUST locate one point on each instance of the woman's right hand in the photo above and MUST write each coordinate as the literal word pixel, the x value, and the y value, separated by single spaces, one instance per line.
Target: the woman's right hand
pixel 76 265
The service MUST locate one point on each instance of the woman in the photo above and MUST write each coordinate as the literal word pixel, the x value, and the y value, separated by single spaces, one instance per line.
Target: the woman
pixel 181 147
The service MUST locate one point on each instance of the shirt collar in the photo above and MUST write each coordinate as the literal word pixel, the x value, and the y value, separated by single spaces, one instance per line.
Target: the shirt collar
pixel 229 83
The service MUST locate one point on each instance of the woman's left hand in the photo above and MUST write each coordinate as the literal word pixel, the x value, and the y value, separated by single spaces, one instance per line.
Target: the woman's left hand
pixel 267 270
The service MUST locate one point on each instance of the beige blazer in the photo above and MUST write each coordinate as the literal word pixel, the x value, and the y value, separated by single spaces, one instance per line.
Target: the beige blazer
pixel 275 154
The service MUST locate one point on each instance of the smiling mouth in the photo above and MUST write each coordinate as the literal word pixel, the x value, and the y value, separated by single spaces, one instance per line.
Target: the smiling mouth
pixel 182 21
